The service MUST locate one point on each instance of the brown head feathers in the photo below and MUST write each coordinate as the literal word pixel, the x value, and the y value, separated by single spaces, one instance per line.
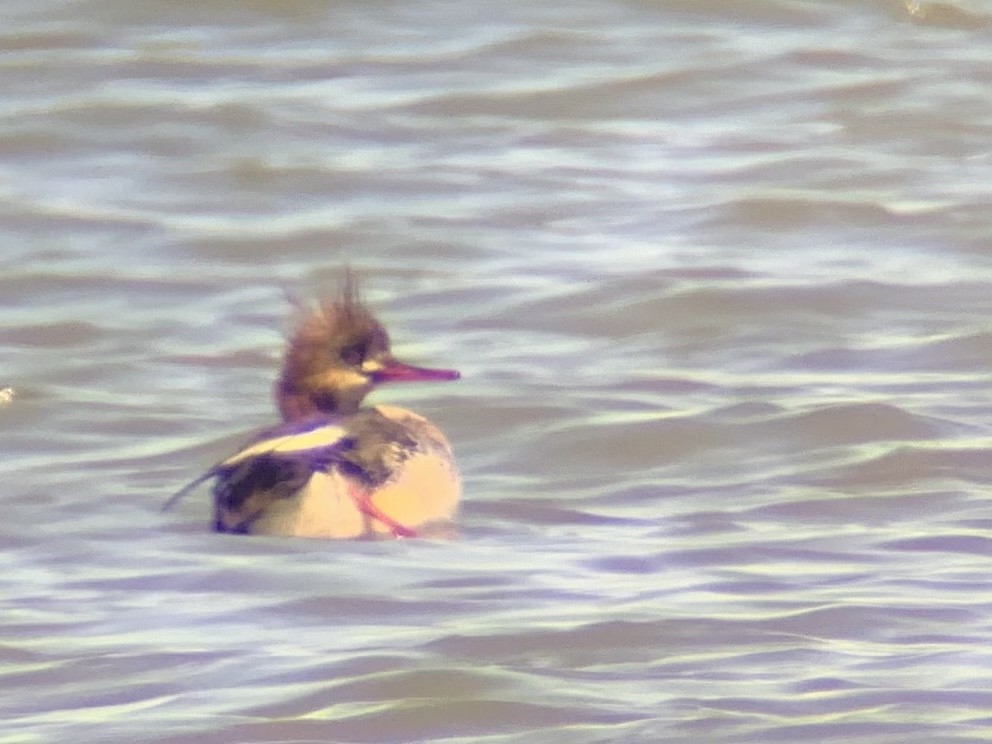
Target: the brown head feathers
pixel 327 349
pixel 337 352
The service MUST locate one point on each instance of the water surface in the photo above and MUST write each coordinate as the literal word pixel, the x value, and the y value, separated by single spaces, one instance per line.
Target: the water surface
pixel 718 281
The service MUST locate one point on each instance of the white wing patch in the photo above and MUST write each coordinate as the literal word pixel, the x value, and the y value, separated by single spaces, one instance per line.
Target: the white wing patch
pixel 321 438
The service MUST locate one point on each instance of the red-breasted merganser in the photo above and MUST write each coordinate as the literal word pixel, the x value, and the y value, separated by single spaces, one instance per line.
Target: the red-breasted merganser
pixel 334 469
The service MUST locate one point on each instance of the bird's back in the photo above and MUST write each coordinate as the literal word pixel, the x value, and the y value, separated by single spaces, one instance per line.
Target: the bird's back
pixel 380 471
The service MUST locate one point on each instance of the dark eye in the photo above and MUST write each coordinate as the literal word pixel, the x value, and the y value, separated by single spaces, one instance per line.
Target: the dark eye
pixel 353 356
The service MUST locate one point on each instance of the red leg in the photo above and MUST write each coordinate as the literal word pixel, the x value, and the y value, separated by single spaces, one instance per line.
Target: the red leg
pixel 363 501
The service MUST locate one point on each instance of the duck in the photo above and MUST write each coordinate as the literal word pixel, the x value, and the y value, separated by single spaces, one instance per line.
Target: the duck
pixel 332 467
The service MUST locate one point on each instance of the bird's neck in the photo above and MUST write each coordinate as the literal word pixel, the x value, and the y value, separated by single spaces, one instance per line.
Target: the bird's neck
pixel 295 404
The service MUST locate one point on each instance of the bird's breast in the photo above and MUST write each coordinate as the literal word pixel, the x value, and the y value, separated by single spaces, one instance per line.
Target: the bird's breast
pixel 423 485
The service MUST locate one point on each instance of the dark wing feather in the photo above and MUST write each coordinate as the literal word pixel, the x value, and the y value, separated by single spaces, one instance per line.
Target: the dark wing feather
pixel 281 454
pixel 265 477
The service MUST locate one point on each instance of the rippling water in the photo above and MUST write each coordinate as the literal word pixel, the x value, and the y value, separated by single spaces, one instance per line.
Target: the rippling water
pixel 718 279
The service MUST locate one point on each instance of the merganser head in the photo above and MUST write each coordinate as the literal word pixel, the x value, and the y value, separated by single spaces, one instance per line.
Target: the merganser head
pixel 336 354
